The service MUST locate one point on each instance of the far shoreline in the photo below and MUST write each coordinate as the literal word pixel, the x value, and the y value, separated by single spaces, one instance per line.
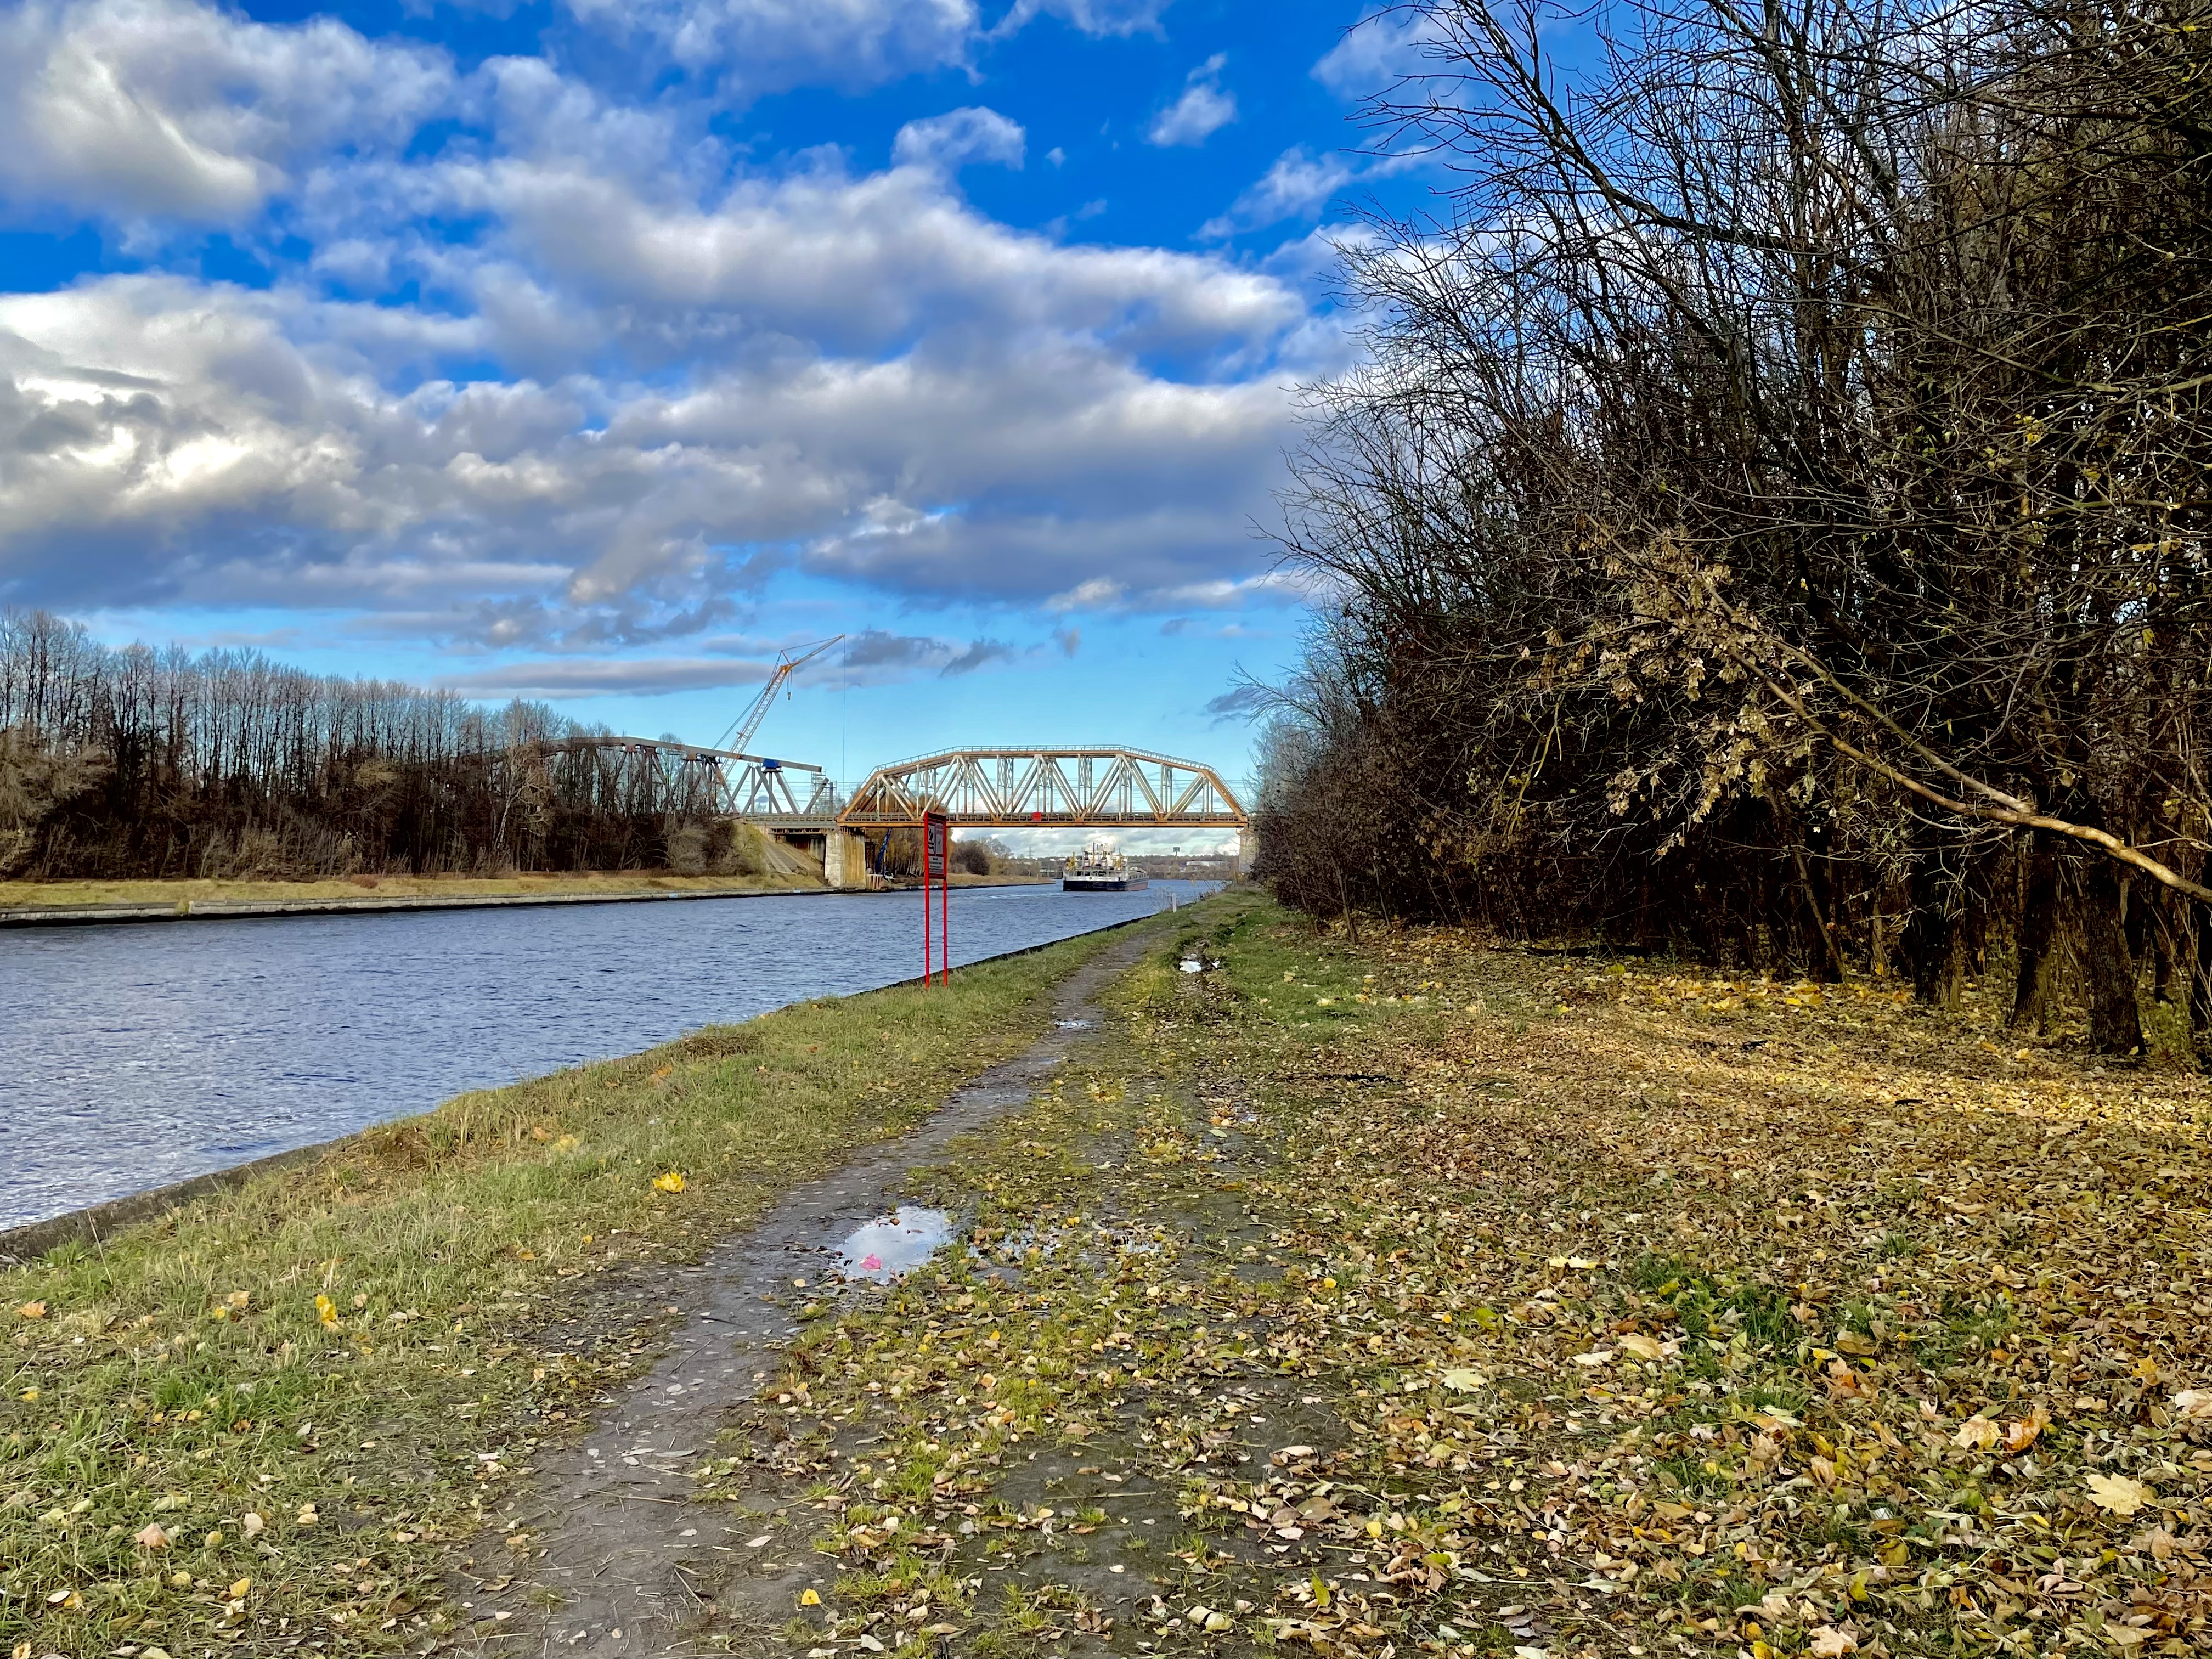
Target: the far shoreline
pixel 23 904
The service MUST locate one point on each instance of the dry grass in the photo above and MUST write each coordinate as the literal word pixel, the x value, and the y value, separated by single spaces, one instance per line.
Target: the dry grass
pixel 321 1386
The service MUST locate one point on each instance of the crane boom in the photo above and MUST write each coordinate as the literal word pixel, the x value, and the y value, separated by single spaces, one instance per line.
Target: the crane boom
pixel 741 730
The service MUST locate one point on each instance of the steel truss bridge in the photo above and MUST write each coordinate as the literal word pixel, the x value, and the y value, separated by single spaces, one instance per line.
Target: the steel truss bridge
pixel 1044 788
pixel 654 777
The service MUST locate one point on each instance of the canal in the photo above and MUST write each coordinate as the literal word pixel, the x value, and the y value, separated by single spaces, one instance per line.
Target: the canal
pixel 131 1056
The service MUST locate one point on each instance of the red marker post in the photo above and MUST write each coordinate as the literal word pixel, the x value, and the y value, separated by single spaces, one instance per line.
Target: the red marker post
pixel 936 870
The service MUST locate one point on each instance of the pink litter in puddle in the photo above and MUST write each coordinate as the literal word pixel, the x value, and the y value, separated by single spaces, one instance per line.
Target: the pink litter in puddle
pixel 873 1264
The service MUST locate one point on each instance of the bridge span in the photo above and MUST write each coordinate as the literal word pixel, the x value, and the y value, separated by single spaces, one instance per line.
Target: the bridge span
pixel 1006 787
pixel 1088 788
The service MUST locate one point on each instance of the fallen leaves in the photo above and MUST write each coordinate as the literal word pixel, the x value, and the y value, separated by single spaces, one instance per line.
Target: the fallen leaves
pixel 670 1182
pixel 2121 1494
pixel 152 1537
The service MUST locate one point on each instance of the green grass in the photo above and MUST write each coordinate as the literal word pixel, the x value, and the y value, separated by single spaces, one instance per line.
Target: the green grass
pixel 324 1387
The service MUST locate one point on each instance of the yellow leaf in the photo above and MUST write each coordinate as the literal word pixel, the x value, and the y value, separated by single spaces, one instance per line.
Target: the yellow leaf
pixel 807 1598
pixel 2119 1493
pixel 1829 1643
pixel 1465 1382
pixel 326 1311
pixel 240 1587
pixel 2021 1434
pixel 31 1310
pixel 1977 1431
pixel 670 1182
pixel 1643 1347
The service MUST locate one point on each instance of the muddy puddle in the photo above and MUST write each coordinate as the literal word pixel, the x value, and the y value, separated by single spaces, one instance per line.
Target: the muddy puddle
pixel 894 1245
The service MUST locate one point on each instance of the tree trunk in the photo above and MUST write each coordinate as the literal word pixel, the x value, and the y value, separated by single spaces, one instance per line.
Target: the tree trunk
pixel 2037 938
pixel 1928 942
pixel 2198 943
pixel 2115 1024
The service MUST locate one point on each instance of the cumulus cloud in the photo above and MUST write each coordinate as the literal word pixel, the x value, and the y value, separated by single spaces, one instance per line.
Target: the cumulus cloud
pixel 955 140
pixel 652 375
pixel 753 47
pixel 758 47
pixel 1381 48
pixel 1298 186
pixel 1203 109
pixel 167 109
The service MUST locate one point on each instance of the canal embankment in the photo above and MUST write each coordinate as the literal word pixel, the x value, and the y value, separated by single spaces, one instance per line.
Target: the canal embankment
pixel 25 904
pixel 1395 1293
pixel 138 1057
pixel 291 1409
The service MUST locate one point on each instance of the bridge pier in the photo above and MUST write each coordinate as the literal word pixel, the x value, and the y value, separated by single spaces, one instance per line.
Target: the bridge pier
pixel 845 859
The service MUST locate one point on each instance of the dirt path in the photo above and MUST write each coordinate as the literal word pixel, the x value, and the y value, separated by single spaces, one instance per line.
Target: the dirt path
pixel 617 1550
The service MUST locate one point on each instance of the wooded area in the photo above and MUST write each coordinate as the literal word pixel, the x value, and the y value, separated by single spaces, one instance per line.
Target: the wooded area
pixel 1772 524
pixel 145 762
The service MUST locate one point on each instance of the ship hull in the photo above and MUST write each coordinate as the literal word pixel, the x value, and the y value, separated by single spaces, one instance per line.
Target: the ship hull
pixel 1101 883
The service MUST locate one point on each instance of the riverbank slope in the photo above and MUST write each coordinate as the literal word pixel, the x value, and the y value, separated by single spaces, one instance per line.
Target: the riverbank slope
pixel 281 1415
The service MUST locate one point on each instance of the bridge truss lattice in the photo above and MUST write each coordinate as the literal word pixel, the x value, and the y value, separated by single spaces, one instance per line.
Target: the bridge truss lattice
pixel 1018 788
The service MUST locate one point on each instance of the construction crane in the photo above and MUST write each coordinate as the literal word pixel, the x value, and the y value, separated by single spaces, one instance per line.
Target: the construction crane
pixel 741 730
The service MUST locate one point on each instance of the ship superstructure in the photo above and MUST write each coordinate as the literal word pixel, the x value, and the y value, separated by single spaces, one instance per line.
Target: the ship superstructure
pixel 1100 868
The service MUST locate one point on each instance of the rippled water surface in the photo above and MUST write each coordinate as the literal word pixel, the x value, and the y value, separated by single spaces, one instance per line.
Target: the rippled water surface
pixel 135 1055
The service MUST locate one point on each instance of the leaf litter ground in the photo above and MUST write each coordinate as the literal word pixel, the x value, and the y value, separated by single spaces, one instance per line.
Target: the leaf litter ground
pixel 1417 1298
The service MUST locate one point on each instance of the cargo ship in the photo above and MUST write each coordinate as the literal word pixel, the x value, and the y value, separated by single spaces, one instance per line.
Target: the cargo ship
pixel 1099 869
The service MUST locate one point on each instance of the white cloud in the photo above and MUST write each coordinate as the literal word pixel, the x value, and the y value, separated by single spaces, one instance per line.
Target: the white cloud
pixel 1203 109
pixel 757 46
pixel 649 376
pixel 1298 186
pixel 1092 17
pixel 131 109
pixel 855 263
pixel 752 47
pixel 957 138
pixel 1381 48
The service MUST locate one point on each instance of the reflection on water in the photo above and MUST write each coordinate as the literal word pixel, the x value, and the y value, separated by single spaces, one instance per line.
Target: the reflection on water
pixel 897 1244
pixel 133 1056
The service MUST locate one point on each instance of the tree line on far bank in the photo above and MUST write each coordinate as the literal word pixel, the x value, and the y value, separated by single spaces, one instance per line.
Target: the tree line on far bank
pixel 1771 523
pixel 138 762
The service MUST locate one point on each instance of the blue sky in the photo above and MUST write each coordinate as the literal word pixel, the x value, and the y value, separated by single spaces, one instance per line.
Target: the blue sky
pixel 596 349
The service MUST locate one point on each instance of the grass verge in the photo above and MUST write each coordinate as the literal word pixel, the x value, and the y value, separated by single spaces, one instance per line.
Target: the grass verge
pixel 17 895
pixel 264 1423
pixel 1417 1298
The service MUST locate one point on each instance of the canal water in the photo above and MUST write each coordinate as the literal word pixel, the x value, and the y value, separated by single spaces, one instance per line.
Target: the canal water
pixel 131 1056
